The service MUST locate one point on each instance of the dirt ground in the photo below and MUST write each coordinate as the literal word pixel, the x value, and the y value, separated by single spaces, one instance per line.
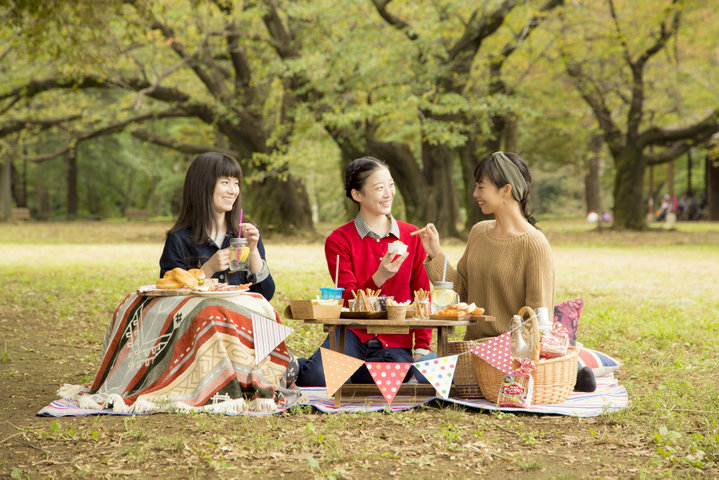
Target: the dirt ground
pixel 428 442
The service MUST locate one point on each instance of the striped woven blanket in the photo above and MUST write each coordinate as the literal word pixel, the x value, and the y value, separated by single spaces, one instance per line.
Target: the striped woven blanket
pixel 187 353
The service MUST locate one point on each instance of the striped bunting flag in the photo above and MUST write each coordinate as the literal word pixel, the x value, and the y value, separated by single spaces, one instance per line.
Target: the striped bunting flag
pixel 268 334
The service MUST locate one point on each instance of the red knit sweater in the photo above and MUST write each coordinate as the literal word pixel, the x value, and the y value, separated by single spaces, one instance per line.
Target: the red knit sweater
pixel 359 260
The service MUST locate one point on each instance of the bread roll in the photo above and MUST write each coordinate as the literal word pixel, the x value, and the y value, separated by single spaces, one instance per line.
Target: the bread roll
pixel 184 277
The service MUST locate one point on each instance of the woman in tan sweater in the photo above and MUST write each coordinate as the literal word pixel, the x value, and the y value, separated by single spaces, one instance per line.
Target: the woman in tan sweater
pixel 508 262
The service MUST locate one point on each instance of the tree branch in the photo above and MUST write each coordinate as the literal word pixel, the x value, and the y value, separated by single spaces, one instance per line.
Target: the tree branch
pixel 510 47
pixel 475 33
pixel 152 88
pixel 634 116
pixel 168 142
pixel 602 113
pixel 17 125
pixel 105 130
pixel 396 22
pixel 620 34
pixel 697 133
pixel 669 154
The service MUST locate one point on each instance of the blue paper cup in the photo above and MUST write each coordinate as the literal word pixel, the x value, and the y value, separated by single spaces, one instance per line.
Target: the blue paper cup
pixel 331 293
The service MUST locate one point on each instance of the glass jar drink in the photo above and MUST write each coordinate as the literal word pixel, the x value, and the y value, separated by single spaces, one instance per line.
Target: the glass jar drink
pixel 443 295
pixel 239 255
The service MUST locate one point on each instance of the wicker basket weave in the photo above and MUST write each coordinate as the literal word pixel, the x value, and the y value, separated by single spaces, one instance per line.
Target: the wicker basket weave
pixel 554 378
pixel 465 380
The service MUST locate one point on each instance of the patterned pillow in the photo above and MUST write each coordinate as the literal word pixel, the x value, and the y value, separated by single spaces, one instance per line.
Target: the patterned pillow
pixel 567 313
pixel 600 363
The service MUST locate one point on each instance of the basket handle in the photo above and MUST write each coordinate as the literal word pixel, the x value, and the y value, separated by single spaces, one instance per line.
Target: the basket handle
pixel 535 330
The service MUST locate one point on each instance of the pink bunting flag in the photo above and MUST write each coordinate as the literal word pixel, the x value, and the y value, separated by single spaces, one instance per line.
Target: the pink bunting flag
pixel 268 334
pixel 497 352
pixel 338 368
pixel 439 372
pixel 388 376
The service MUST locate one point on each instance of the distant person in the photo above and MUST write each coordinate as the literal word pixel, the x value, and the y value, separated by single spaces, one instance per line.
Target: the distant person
pixel 664 208
pixel 209 218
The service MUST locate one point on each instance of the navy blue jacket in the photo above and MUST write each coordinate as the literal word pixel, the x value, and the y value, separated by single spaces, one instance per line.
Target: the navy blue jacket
pixel 180 251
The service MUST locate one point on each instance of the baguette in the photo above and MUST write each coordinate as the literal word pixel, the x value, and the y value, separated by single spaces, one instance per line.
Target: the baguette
pixel 167 283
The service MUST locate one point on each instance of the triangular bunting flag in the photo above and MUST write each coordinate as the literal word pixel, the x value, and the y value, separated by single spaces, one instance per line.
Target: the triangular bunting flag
pixel 388 376
pixel 268 334
pixel 439 372
pixel 338 368
pixel 497 352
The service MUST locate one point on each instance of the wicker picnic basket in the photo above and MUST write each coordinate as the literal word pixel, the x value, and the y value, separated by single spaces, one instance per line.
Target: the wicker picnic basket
pixel 554 378
pixel 465 380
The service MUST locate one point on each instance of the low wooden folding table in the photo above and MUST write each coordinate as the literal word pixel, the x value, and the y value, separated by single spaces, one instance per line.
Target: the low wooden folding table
pixel 444 328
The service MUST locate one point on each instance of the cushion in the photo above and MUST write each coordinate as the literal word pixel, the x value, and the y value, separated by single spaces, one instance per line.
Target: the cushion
pixel 599 362
pixel 567 313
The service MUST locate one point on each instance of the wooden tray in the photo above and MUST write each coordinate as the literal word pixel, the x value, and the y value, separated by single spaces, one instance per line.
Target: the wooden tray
pixel 149 291
pixel 448 317
pixel 363 315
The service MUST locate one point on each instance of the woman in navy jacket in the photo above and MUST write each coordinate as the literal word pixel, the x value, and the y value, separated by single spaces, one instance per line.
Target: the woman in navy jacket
pixel 209 217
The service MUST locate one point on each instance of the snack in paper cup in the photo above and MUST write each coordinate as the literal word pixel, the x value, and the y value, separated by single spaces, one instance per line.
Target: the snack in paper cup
pixel 397 247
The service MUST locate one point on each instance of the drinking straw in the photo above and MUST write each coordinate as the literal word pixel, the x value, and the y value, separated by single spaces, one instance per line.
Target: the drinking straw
pixel 239 225
pixel 337 272
pixel 444 272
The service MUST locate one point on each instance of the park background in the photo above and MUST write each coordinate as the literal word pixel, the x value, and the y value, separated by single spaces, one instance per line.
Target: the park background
pixel 103 105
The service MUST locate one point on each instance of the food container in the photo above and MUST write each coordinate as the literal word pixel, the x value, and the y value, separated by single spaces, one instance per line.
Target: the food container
pixel 309 309
pixel 331 293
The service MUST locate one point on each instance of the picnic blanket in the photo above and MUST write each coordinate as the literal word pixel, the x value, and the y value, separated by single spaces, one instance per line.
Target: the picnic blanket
pixel 609 397
pixel 187 353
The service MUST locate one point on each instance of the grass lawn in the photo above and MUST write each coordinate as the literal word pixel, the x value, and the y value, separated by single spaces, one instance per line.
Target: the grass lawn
pixel 651 300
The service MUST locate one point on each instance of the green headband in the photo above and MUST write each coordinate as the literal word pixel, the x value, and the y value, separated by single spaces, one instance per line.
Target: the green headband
pixel 511 175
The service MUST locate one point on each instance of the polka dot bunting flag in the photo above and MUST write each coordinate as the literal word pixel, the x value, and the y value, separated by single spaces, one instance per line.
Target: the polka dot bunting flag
pixel 338 368
pixel 497 352
pixel 439 372
pixel 388 376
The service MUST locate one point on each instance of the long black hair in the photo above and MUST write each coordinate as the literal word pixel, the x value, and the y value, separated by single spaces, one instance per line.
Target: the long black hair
pixel 488 169
pixel 197 212
pixel 357 172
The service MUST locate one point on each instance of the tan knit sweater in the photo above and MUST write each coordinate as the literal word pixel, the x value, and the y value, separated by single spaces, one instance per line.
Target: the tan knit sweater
pixel 501 275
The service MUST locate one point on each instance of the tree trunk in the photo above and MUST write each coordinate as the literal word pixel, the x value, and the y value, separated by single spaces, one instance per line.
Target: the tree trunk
pixel 629 191
pixel 278 204
pixel 712 191
pixel 5 189
pixel 44 201
pixel 592 187
pixel 442 207
pixel 469 161
pixel 406 174
pixel 71 179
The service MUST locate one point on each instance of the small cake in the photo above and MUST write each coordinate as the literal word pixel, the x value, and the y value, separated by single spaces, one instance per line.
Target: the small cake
pixel 397 247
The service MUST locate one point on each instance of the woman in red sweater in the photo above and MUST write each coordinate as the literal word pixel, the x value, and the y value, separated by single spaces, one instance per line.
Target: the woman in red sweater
pixel 364 263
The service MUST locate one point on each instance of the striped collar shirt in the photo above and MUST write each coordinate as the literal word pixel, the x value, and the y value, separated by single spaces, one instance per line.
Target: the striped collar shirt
pixel 363 229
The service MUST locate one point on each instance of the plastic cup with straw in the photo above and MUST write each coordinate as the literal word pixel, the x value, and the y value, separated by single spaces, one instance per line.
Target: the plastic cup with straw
pixel 336 292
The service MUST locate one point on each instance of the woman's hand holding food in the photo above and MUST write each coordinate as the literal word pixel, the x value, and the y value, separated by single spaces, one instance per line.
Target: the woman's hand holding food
pixel 430 240
pixel 388 267
pixel 219 262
